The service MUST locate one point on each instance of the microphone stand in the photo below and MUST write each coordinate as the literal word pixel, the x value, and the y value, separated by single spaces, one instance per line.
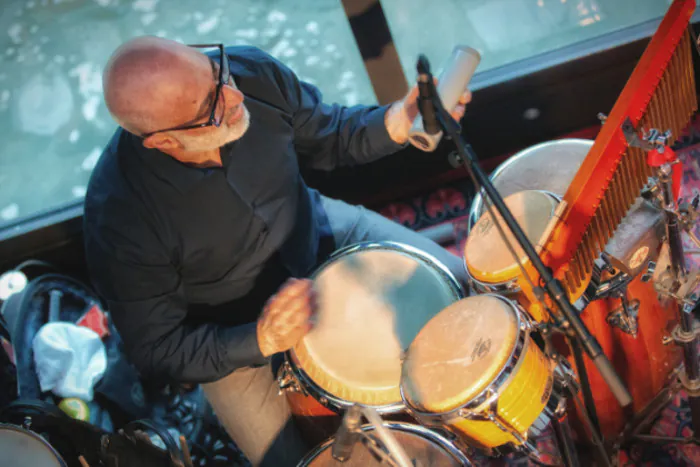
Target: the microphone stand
pixel 568 319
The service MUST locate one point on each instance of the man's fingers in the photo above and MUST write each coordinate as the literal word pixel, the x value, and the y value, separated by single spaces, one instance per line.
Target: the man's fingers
pixel 465 98
pixel 289 291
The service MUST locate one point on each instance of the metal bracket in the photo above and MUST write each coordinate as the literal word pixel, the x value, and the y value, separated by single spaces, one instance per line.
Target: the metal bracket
pixel 653 139
pixel 624 317
pixel 692 387
pixel 681 337
pixel 649 273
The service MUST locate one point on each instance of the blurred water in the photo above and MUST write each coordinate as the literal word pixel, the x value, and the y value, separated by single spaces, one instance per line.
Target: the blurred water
pixel 53 123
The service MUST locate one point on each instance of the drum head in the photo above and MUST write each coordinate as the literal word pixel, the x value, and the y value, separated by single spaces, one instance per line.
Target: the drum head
pixel 27 449
pixel 422 447
pixel 459 353
pixel 549 166
pixel 485 252
pixel 371 304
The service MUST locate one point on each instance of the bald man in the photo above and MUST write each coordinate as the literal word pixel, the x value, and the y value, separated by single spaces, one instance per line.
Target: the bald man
pixel 199 229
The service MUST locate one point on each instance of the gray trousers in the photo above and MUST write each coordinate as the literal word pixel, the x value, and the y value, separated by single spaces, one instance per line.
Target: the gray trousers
pixel 247 401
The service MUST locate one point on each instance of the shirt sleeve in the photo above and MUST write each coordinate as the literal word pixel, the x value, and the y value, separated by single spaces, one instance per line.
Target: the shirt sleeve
pixel 145 298
pixel 327 136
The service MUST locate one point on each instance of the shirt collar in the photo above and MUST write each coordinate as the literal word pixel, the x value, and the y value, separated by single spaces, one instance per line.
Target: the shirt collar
pixel 163 166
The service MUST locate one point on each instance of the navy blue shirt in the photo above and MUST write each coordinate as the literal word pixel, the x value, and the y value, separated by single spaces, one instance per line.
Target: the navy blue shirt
pixel 185 257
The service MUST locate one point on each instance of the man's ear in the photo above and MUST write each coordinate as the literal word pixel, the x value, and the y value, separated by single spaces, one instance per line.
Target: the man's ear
pixel 162 141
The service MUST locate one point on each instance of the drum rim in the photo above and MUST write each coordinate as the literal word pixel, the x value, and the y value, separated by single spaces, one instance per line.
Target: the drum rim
pixel 473 217
pixel 496 386
pixel 325 398
pixel 410 428
pixel 508 285
pixel 396 247
pixel 36 436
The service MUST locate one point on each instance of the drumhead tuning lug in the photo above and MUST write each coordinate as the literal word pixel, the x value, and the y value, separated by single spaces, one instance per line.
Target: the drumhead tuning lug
pixel 287 381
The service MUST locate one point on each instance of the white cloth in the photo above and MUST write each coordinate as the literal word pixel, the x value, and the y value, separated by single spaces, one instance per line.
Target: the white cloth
pixel 69 359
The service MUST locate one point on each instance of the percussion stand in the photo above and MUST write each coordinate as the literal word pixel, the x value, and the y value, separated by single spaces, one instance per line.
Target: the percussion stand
pixel 568 317
pixel 350 433
pixel 676 281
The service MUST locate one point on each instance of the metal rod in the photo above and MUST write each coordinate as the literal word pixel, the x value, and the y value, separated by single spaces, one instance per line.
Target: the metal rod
pixel 692 372
pixel 673 228
pixel 565 442
pixel 586 391
pixel 389 441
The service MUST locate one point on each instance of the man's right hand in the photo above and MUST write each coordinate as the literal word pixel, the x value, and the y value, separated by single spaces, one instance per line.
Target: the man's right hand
pixel 286 317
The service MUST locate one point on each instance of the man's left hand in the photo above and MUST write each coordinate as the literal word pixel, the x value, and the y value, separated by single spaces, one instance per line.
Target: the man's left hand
pixel 402 113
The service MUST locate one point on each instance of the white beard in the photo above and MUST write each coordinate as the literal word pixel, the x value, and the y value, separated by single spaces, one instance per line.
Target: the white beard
pixel 223 135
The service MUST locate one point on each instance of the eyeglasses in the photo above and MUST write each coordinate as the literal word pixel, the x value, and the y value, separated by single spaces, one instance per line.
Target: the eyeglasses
pixel 224 76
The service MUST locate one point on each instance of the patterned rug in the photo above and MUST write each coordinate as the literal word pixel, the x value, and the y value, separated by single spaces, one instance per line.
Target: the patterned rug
pixel 450 204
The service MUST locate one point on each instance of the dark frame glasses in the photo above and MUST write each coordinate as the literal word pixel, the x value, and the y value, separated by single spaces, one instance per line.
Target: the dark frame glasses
pixel 224 75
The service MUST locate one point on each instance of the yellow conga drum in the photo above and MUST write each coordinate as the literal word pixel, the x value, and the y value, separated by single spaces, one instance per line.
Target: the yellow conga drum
pixel 491 267
pixel 475 370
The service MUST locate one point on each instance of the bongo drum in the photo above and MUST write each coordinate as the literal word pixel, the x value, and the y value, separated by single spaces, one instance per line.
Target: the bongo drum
pixel 422 446
pixel 372 298
pixel 490 265
pixel 24 448
pixel 475 370
pixel 548 166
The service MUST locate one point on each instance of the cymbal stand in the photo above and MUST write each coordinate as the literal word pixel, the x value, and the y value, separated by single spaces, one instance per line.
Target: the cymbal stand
pixel 673 280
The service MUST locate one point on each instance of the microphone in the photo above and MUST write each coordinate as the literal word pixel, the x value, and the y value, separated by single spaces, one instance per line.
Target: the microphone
pixel 348 434
pixel 425 133
pixel 426 93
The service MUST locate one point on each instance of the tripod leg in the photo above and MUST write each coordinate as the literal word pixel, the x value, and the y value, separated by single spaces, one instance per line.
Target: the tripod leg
pixel 691 379
pixel 589 402
pixel 565 443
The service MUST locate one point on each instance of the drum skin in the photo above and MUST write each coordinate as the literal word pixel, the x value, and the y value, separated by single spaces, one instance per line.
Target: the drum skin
pixel 468 350
pixel 373 298
pixel 520 404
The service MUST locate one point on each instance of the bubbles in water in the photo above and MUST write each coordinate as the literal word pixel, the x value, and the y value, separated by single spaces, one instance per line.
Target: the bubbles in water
pixel 208 25
pixel 90 161
pixel 145 5
pixel 276 16
pixel 44 104
pixel 312 27
pixel 10 212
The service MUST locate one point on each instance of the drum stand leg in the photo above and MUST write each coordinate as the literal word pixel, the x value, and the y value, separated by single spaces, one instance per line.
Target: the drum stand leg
pixel 588 401
pixel 690 375
pixel 565 442
pixel 687 335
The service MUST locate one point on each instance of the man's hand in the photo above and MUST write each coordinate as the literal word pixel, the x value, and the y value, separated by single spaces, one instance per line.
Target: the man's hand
pixel 401 114
pixel 286 317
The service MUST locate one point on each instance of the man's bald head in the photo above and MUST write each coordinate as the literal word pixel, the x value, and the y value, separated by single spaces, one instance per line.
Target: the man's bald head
pixel 152 83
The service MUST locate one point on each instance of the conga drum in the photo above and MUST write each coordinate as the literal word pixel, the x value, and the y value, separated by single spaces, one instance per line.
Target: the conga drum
pixel 476 370
pixel 422 446
pixel 631 334
pixel 372 298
